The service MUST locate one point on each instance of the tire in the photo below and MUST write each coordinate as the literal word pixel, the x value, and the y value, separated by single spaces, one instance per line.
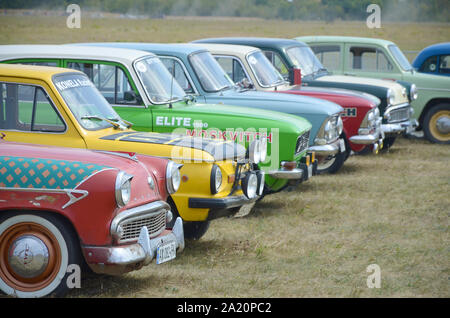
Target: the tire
pixel 333 164
pixel 431 130
pixel 193 230
pixel 38 233
pixel 388 142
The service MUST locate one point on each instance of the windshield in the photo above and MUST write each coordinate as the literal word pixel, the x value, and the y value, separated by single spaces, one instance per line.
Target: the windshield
pixel 303 57
pixel 400 57
pixel 85 101
pixel 158 83
pixel 211 75
pixel 264 71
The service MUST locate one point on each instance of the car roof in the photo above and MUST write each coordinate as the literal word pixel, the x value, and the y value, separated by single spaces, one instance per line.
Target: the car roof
pixel 69 51
pixel 340 39
pixel 33 71
pixel 228 48
pixel 432 50
pixel 253 41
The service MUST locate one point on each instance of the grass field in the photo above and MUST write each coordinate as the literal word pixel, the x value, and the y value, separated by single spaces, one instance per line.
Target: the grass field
pixel 317 241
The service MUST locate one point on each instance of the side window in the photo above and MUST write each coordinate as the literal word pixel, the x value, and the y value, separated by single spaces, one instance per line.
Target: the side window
pixel 28 108
pixel 177 71
pixel 233 68
pixel 369 59
pixel 444 65
pixel 329 55
pixel 110 80
pixel 430 65
pixel 41 63
pixel 276 61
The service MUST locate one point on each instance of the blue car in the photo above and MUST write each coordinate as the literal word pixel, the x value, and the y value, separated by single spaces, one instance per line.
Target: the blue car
pixel 434 59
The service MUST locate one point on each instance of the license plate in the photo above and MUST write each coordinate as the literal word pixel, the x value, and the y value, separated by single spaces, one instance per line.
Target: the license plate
pixel 342 144
pixel 310 171
pixel 166 252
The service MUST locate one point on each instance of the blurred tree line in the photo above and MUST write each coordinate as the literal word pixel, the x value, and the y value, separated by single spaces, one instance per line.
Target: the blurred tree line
pixel 325 10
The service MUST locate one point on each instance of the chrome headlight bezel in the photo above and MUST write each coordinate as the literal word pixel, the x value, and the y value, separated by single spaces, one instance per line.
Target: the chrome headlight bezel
pixel 122 188
pixel 340 125
pixel 250 185
pixel 413 92
pixel 263 149
pixel 329 131
pixel 216 179
pixel 173 177
pixel 254 150
pixel 390 97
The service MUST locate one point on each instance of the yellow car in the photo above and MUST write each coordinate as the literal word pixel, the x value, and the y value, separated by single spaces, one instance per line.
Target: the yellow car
pixel 61 107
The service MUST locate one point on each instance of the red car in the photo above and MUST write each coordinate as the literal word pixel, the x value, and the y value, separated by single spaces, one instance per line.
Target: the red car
pixel 61 207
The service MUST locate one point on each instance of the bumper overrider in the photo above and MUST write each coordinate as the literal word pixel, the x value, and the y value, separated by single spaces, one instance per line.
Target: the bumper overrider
pixel 252 185
pixel 328 149
pixel 153 242
pixel 399 120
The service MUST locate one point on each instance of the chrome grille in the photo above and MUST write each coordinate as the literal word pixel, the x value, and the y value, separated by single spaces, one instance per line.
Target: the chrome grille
pixel 400 114
pixel 302 142
pixel 155 223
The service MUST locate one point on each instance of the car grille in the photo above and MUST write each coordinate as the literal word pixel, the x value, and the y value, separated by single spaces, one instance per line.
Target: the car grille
pixel 400 114
pixel 155 223
pixel 302 142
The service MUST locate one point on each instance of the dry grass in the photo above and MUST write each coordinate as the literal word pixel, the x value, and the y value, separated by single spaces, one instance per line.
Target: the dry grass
pixel 391 209
pixel 317 241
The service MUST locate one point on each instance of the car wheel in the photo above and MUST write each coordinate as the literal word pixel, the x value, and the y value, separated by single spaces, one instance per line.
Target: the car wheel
pixel 388 142
pixel 436 124
pixel 332 164
pixel 35 251
pixel 193 230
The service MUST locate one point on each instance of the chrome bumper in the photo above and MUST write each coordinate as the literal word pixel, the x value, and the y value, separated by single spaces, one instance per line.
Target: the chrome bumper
pixel 303 172
pixel 406 127
pixel 116 260
pixel 326 150
pixel 364 137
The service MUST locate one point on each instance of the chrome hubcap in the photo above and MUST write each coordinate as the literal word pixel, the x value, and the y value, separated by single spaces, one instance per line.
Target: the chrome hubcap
pixel 28 256
pixel 443 125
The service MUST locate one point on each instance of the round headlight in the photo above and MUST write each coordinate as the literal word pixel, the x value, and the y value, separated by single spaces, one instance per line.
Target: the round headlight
pixel 376 112
pixel 255 152
pixel 250 185
pixel 327 130
pixel 123 188
pixel 413 93
pixel 216 179
pixel 173 177
pixel 260 175
pixel 390 97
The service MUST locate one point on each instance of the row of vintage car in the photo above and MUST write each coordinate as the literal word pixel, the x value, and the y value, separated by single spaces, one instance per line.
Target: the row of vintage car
pixel 211 135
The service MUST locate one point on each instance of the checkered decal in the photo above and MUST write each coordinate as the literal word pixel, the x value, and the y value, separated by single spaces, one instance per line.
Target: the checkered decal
pixel 22 172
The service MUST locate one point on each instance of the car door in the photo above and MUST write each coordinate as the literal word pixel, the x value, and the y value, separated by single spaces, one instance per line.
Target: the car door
pixel 31 113
pixel 369 61
pixel 116 85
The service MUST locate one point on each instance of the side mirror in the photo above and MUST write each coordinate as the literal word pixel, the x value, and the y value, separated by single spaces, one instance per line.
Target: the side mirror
pixel 131 97
pixel 245 83
pixel 297 76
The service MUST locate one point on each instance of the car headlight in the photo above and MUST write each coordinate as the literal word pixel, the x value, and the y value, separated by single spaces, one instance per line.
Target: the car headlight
pixel 173 177
pixel 255 152
pixel 376 113
pixel 413 92
pixel 390 97
pixel 263 153
pixel 260 176
pixel 123 188
pixel 216 179
pixel 250 185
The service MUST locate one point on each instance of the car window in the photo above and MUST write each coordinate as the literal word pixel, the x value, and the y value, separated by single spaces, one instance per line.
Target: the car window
pixel 329 55
pixel 175 68
pixel 110 80
pixel 232 67
pixel 28 108
pixel 368 59
pixel 444 65
pixel 276 61
pixel 41 63
pixel 430 65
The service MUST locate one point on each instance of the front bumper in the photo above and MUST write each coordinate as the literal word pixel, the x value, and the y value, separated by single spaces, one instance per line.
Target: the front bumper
pixel 116 260
pixel 406 127
pixel 328 149
pixel 302 172
pixel 367 138
pixel 220 203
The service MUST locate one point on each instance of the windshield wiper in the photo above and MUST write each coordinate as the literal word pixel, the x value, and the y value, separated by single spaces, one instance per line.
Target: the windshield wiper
pixel 223 88
pixel 113 121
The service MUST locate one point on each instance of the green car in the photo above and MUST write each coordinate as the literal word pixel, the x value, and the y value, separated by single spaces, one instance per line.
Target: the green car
pixel 142 91
pixel 383 59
